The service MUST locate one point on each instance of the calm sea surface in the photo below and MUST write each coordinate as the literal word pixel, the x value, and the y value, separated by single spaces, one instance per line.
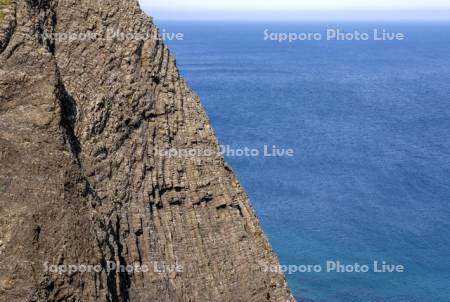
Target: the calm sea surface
pixel 369 122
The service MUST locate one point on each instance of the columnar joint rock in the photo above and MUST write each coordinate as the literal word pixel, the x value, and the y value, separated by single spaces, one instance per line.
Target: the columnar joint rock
pixel 82 183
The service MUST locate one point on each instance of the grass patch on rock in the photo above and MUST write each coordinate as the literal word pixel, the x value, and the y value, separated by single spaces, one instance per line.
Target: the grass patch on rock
pixel 3 4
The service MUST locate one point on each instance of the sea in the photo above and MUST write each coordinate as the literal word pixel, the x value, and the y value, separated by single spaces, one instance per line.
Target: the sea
pixel 360 175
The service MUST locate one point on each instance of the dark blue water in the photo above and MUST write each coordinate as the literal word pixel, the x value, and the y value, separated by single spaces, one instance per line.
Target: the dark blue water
pixel 370 125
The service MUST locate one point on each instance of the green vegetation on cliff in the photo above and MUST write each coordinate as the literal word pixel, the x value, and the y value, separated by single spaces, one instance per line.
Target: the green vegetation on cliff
pixel 3 4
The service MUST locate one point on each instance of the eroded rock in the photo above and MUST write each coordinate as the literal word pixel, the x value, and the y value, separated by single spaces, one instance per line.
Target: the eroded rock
pixel 81 180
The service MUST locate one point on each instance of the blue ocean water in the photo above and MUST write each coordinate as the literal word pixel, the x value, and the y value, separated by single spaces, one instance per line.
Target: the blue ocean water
pixel 370 125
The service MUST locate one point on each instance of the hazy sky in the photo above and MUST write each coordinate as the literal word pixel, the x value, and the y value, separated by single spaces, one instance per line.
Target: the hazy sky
pixel 415 9
pixel 292 4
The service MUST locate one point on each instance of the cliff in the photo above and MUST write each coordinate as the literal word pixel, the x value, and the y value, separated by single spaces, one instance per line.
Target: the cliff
pixel 83 119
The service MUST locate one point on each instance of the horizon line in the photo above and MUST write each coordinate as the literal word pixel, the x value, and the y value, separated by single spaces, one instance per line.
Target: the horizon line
pixel 304 15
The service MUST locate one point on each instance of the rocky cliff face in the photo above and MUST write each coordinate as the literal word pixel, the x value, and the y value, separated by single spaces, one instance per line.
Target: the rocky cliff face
pixel 83 180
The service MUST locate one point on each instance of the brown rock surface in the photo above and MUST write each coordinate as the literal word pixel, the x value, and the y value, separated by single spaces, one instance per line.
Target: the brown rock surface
pixel 82 181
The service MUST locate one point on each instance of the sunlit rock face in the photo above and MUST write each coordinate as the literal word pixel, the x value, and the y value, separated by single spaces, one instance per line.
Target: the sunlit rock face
pixel 84 114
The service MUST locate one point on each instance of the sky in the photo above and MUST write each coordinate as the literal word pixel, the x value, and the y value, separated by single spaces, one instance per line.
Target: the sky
pixel 298 9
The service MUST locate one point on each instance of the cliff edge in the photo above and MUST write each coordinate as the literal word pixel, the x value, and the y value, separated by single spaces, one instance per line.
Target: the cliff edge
pixel 85 118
